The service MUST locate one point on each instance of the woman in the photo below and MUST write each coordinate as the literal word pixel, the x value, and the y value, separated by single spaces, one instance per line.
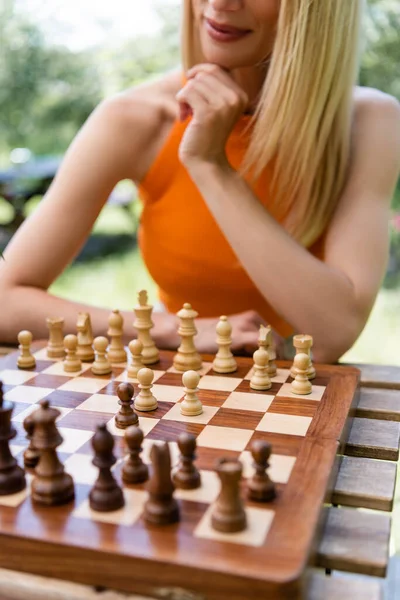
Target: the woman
pixel 266 177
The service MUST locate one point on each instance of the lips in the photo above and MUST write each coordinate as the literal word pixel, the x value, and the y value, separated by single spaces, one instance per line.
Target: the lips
pixel 229 29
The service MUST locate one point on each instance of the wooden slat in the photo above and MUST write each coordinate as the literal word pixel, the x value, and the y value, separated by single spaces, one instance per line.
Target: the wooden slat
pixel 365 483
pixel 379 376
pixel 372 438
pixel 379 404
pixel 355 541
pixel 21 586
pixel 322 587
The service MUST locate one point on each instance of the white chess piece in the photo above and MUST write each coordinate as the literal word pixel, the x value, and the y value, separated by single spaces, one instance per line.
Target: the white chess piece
pixel 85 337
pixel 143 324
pixel 303 344
pixel 187 357
pixel 101 365
pixel 72 363
pixel 301 384
pixel 136 349
pixel 25 360
pixel 191 405
pixel 55 345
pixel 260 379
pixel 116 351
pixel 145 401
pixel 224 361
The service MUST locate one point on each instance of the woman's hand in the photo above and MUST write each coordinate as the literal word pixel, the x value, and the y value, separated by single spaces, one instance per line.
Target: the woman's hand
pixel 216 103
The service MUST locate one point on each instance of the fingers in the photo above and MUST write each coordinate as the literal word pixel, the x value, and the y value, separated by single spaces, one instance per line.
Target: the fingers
pixel 191 99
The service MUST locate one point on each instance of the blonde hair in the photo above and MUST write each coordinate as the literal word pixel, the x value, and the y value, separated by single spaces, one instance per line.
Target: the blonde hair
pixel 302 123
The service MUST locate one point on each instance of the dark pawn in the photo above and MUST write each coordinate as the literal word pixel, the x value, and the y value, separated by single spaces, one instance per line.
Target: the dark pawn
pixel 126 416
pixel 161 507
pixel 187 477
pixel 31 454
pixel 134 469
pixel 260 487
pixel 228 515
pixel 12 477
pixel 105 495
pixel 51 485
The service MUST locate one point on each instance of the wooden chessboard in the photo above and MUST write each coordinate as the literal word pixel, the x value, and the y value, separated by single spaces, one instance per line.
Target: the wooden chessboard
pixel 118 549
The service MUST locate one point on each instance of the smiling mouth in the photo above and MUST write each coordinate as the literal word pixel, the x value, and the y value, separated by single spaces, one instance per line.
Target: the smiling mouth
pixel 225 33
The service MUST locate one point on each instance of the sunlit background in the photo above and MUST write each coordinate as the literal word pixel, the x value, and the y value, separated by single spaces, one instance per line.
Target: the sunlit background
pixel 59 58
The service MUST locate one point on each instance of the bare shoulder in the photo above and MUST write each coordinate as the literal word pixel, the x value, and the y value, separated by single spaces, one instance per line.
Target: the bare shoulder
pixel 371 104
pixel 144 114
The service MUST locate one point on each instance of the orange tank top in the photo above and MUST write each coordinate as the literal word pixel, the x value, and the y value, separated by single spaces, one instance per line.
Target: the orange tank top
pixel 182 246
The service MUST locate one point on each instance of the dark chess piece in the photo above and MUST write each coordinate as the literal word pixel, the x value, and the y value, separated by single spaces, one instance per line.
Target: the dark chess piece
pixel 260 487
pixel 126 416
pixel 51 485
pixel 31 454
pixel 12 477
pixel 161 507
pixel 134 469
pixel 228 514
pixel 105 495
pixel 187 477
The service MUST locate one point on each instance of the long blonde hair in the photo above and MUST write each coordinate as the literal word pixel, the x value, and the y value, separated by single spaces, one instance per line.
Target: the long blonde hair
pixel 302 124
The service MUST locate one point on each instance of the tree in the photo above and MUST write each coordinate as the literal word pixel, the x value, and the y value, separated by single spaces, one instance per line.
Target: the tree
pixel 45 92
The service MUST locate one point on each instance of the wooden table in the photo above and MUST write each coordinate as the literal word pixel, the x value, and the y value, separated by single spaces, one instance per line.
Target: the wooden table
pixel 355 541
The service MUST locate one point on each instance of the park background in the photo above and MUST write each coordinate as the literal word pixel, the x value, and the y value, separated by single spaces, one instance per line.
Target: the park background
pixel 60 58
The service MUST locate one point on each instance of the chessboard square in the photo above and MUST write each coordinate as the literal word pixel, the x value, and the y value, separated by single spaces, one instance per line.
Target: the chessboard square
pixel 233 417
pixel 27 395
pixel 207 458
pixel 14 377
pixel 124 377
pixel 248 401
pixel 32 407
pixel 146 424
pixel 206 368
pixel 127 515
pixel 85 419
pixel 89 385
pixel 168 393
pixel 285 424
pixel 214 382
pixel 73 439
pixel 279 470
pixel 224 438
pixel 206 493
pixel 100 403
pixel 80 467
pixel 259 521
pixel 316 394
pixel 58 369
pixel 174 414
pixel 169 431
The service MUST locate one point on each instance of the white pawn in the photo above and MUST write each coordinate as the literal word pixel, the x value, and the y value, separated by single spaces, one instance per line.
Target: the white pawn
pixel 116 351
pixel 191 405
pixel 136 349
pixel 301 384
pixel 145 401
pixel 72 363
pixel 101 365
pixel 260 379
pixel 224 361
pixel 25 360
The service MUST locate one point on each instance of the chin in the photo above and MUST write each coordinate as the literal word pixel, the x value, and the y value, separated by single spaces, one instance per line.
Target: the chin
pixel 227 59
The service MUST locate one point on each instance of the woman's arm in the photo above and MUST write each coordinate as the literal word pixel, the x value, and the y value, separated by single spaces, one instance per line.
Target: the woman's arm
pixel 113 145
pixel 332 299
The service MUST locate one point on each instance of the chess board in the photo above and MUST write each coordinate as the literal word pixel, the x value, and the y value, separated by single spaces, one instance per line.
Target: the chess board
pixel 117 549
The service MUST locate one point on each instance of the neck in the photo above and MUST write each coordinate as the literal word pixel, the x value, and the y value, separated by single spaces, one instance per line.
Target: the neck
pixel 251 80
